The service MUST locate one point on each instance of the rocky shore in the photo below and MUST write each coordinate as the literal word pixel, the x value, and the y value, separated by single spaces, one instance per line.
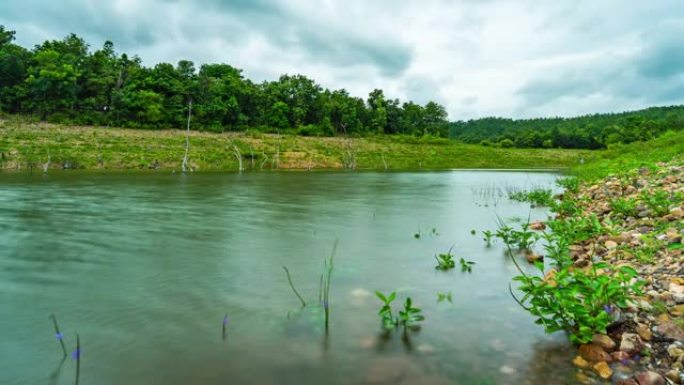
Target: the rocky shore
pixel 643 215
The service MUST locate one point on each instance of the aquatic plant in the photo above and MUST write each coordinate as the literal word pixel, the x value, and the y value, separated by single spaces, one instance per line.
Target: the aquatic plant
pixel 466 266
pixel 488 235
pixel 445 261
pixel 523 239
pixel 441 297
pixel 570 184
pixel 289 280
pixel 326 278
pixel 578 301
pixel 224 326
pixel 410 316
pixel 385 312
pixel 58 334
pixel 538 197
pixel 76 355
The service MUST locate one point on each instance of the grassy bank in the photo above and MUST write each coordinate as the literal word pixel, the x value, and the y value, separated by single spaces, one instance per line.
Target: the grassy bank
pixel 622 159
pixel 24 145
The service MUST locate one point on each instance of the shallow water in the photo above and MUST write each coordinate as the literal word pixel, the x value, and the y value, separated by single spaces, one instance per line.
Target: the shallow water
pixel 144 266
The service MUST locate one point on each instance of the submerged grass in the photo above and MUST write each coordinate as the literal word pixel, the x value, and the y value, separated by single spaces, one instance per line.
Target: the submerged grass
pixel 25 145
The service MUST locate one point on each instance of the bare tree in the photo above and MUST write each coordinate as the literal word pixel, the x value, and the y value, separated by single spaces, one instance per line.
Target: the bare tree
pixel 238 156
pixel 46 165
pixel 184 166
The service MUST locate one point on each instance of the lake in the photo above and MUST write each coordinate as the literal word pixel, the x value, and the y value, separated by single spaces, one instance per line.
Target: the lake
pixel 145 266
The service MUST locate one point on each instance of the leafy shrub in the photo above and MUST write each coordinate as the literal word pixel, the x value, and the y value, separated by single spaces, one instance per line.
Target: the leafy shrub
pixel 658 201
pixel 539 197
pixel 625 207
pixel 445 261
pixel 570 184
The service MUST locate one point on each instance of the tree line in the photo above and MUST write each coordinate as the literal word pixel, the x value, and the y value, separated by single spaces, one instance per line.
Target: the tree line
pixel 64 81
pixel 590 131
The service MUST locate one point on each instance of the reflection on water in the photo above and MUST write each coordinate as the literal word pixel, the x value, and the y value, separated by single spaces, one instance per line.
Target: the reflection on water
pixel 144 267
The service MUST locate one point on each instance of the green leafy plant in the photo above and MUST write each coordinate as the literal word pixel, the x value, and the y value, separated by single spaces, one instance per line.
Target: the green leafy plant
pixel 466 266
pixel 410 316
pixel 441 297
pixel 580 302
pixel 488 235
pixel 385 312
pixel 625 207
pixel 570 184
pixel 523 239
pixel 658 201
pixel 445 261
pixel 538 197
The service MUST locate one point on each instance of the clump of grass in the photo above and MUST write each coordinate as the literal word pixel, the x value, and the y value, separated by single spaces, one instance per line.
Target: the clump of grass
pixel 445 261
pixel 466 266
pixel 538 197
pixel 624 207
pixel 408 317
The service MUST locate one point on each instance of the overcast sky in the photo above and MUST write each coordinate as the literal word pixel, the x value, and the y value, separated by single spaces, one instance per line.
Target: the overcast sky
pixel 522 58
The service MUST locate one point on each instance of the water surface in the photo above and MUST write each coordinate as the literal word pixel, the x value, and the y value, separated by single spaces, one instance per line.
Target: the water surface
pixel 144 266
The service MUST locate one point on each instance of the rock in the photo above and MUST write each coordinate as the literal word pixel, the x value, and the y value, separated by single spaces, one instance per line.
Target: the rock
pixel 581 263
pixel 537 225
pixel 426 348
pixel 604 341
pixel 676 288
pixel 594 353
pixel 675 351
pixel 360 293
pixel 670 329
pixel 619 356
pixel 644 332
pixel 629 381
pixel 507 370
pixel 603 370
pixel 532 257
pixel 610 245
pixel 674 376
pixel 580 362
pixel 673 236
pixel 649 378
pixel 631 343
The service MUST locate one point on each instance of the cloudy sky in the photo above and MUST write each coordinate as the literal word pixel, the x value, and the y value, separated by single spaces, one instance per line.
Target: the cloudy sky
pixel 523 58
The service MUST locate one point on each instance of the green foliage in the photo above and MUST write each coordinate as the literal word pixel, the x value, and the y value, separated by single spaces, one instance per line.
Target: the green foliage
pixel 410 316
pixel 658 201
pixel 488 235
pixel 441 297
pixel 570 184
pixel 466 266
pixel 445 261
pixel 385 312
pixel 624 207
pixel 523 239
pixel 590 131
pixel 538 197
pixel 578 302
pixel 64 80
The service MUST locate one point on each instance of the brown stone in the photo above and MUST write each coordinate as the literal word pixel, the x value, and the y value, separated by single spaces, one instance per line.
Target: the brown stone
pixel 580 362
pixel 644 332
pixel 603 370
pixel 610 245
pixel 594 353
pixel 537 225
pixel 628 381
pixel 649 378
pixel 631 343
pixel 604 341
pixel 532 257
pixel 619 355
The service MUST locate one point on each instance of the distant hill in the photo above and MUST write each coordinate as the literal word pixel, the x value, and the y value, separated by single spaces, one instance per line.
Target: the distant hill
pixel 589 131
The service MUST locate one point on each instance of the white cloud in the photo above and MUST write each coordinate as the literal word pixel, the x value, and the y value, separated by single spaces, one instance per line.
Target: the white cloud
pixel 478 58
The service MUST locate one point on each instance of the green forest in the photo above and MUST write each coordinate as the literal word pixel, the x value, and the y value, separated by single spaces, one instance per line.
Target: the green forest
pixel 64 81
pixel 591 131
